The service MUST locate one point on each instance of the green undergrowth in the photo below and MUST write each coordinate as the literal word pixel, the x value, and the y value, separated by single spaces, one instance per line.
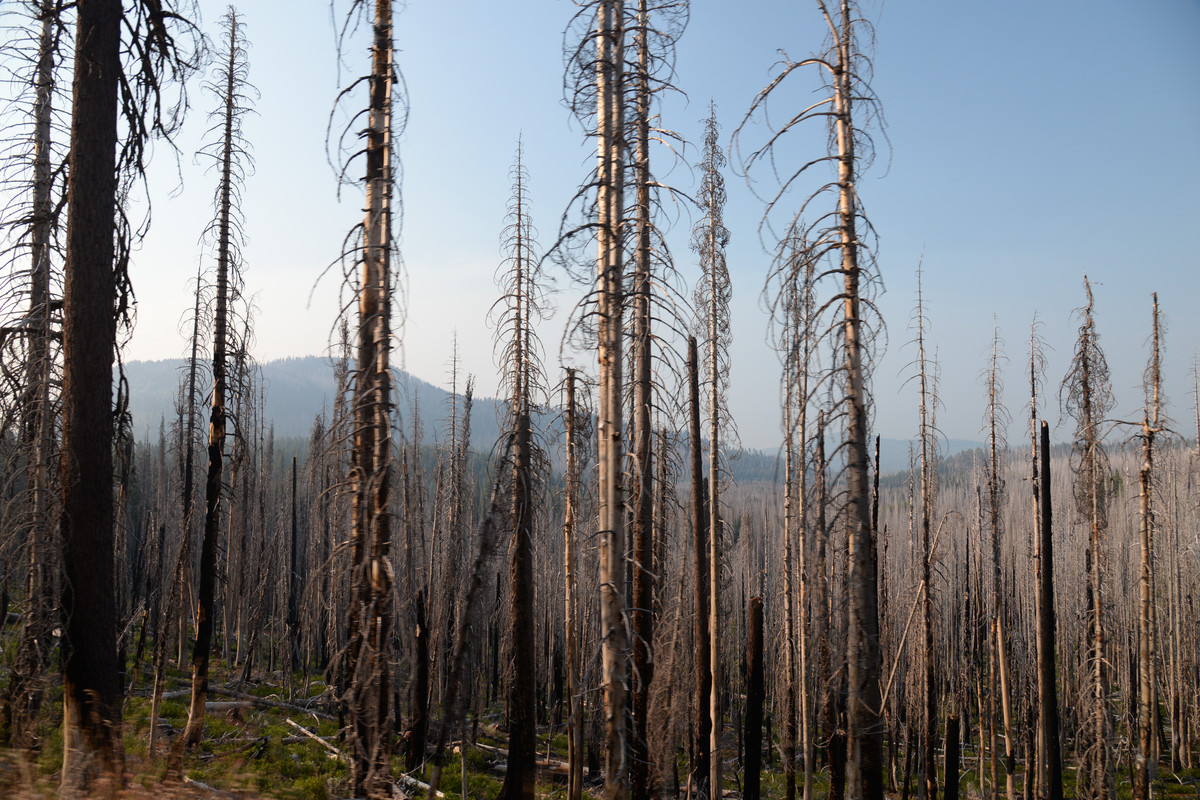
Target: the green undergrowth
pixel 252 751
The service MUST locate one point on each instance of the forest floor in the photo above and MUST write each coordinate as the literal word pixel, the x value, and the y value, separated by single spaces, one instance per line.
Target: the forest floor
pixel 258 744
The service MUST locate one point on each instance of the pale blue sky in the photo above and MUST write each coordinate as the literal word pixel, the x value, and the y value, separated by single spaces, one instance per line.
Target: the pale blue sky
pixel 1030 142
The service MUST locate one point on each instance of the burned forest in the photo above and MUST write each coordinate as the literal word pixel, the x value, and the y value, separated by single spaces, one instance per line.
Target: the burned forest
pixel 582 570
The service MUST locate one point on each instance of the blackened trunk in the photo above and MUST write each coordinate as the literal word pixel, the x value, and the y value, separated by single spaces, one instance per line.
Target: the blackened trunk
pixel 91 685
pixel 419 702
pixel 754 701
pixel 951 792
pixel 202 648
pixel 1047 689
pixel 519 778
pixel 643 496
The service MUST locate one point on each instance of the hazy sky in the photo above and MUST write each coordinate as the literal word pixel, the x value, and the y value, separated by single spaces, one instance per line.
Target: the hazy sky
pixel 1030 142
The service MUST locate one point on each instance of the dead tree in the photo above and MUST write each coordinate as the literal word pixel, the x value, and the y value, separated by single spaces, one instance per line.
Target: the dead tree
pixel 701 771
pixel 754 701
pixel 1086 396
pixel 368 699
pixel 571 592
pixel 1146 764
pixel 102 166
pixel 517 312
pixel 654 28
pixel 29 351
pixel 1047 686
pixel 713 293
pixel 229 86
pixel 840 237
pixel 610 61
pixel 1049 759
pixel 995 423
pixel 790 296
pixel 927 388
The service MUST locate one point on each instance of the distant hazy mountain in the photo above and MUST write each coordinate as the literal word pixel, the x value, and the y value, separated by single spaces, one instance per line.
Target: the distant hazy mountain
pixel 300 388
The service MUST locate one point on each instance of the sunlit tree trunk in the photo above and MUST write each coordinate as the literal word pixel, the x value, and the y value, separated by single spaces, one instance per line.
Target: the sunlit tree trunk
pixel 1145 765
pixel 703 651
pixel 614 640
pixel 865 718
pixel 370 695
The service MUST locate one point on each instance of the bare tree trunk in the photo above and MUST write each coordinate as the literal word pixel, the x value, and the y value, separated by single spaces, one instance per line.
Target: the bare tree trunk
pixel 789 592
pixel 22 700
pixel 643 498
pixel 91 685
pixel 929 702
pixel 370 695
pixel 995 496
pixel 293 585
pixel 610 96
pixel 801 492
pixel 520 777
pixel 952 756
pixel 570 550
pixel 1088 400
pixel 1146 764
pixel 1047 687
pixel 754 701
pixel 216 431
pixel 700 767
pixel 834 737
pixel 865 720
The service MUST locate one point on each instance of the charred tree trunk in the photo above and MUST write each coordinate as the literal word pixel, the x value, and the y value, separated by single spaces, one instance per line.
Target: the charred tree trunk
pixel 521 375
pixel 754 701
pixel 952 756
pixel 1047 686
pixel 643 497
pixel 91 684
pixel 419 702
pixel 202 647
pixel 293 585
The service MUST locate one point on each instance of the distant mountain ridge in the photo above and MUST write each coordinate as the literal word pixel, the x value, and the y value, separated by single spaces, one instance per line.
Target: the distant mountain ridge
pixel 297 390
pixel 300 388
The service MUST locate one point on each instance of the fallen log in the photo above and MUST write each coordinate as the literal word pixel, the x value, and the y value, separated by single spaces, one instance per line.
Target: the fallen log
pixel 551 766
pixel 413 783
pixel 263 702
pixel 318 740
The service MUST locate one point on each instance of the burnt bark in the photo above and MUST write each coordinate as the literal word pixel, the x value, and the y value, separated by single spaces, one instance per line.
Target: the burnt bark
pixel 92 744
pixel 754 702
pixel 1047 686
